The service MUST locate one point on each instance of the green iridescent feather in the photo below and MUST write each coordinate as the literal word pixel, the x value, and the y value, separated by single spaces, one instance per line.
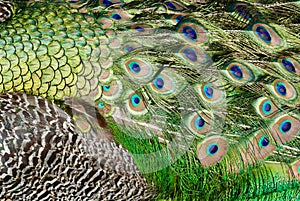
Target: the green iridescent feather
pixel 205 95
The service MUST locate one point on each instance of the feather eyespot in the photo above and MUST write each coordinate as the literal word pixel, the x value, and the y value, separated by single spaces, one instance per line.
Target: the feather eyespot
pixel 141 28
pixel 193 55
pixel 285 128
pixel 119 15
pixel 167 83
pixel 283 89
pixel 210 93
pixel 289 65
pixel 263 142
pixel 107 3
pixel 138 69
pixel 159 82
pixel 173 6
pixel 265 107
pixel 112 91
pixel 211 151
pixel 135 105
pixel 101 105
pixel 163 84
pixel 190 54
pixel 243 10
pixel 176 18
pixel 239 73
pixel 199 123
pixel 266 34
pixel 260 147
pixel 295 169
pixel 104 108
pixel 192 33
pixel 130 46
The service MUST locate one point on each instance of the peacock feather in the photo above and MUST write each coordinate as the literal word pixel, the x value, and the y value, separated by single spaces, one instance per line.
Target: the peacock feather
pixel 43 157
pixel 204 95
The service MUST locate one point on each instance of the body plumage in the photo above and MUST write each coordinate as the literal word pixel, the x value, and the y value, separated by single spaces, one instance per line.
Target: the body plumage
pixel 204 95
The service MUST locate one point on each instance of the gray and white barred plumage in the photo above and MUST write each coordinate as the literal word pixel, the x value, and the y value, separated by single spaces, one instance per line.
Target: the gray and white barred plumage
pixel 43 157
pixel 6 10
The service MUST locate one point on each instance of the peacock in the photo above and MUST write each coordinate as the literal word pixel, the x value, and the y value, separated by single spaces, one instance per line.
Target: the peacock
pixel 43 157
pixel 150 100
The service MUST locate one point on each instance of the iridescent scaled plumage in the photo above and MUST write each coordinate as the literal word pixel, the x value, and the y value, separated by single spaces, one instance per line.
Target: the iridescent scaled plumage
pixel 205 95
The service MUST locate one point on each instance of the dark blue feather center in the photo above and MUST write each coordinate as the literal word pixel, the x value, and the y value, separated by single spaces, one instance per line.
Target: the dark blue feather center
pixel 106 88
pixel 264 34
pixel 237 72
pixel 285 126
pixel 170 5
pixel 101 105
pixel 135 100
pixel 243 12
pixel 212 149
pixel 107 3
pixel 267 107
pixel 190 54
pixel 135 67
pixel 139 28
pixel 263 141
pixel 159 82
pixel 190 33
pixel 129 49
pixel 116 16
pixel 208 91
pixel 199 123
pixel 288 65
pixel 281 88
pixel 179 18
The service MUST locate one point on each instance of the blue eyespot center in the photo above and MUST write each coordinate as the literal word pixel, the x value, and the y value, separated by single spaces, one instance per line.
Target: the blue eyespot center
pixel 159 82
pixel 135 100
pixel 281 89
pixel 264 34
pixel 140 28
pixel 267 107
pixel 288 65
pixel 190 54
pixel 236 71
pixel 212 149
pixel 129 49
pixel 264 141
pixel 243 12
pixel 116 16
pixel 101 105
pixel 190 33
pixel 170 5
pixel 179 18
pixel 285 126
pixel 107 3
pixel 199 123
pixel 299 169
pixel 208 91
pixel 135 67
pixel 106 88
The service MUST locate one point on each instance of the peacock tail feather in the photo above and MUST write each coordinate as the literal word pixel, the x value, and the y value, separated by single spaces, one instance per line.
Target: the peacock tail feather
pixel 204 95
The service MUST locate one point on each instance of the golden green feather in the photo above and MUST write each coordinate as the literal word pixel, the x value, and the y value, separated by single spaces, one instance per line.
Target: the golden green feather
pixel 205 95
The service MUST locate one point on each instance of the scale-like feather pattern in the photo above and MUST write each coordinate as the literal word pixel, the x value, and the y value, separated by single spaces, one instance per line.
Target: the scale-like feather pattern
pixel 204 94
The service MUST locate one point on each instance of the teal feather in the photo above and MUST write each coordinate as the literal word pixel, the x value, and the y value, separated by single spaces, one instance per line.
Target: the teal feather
pixel 204 95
